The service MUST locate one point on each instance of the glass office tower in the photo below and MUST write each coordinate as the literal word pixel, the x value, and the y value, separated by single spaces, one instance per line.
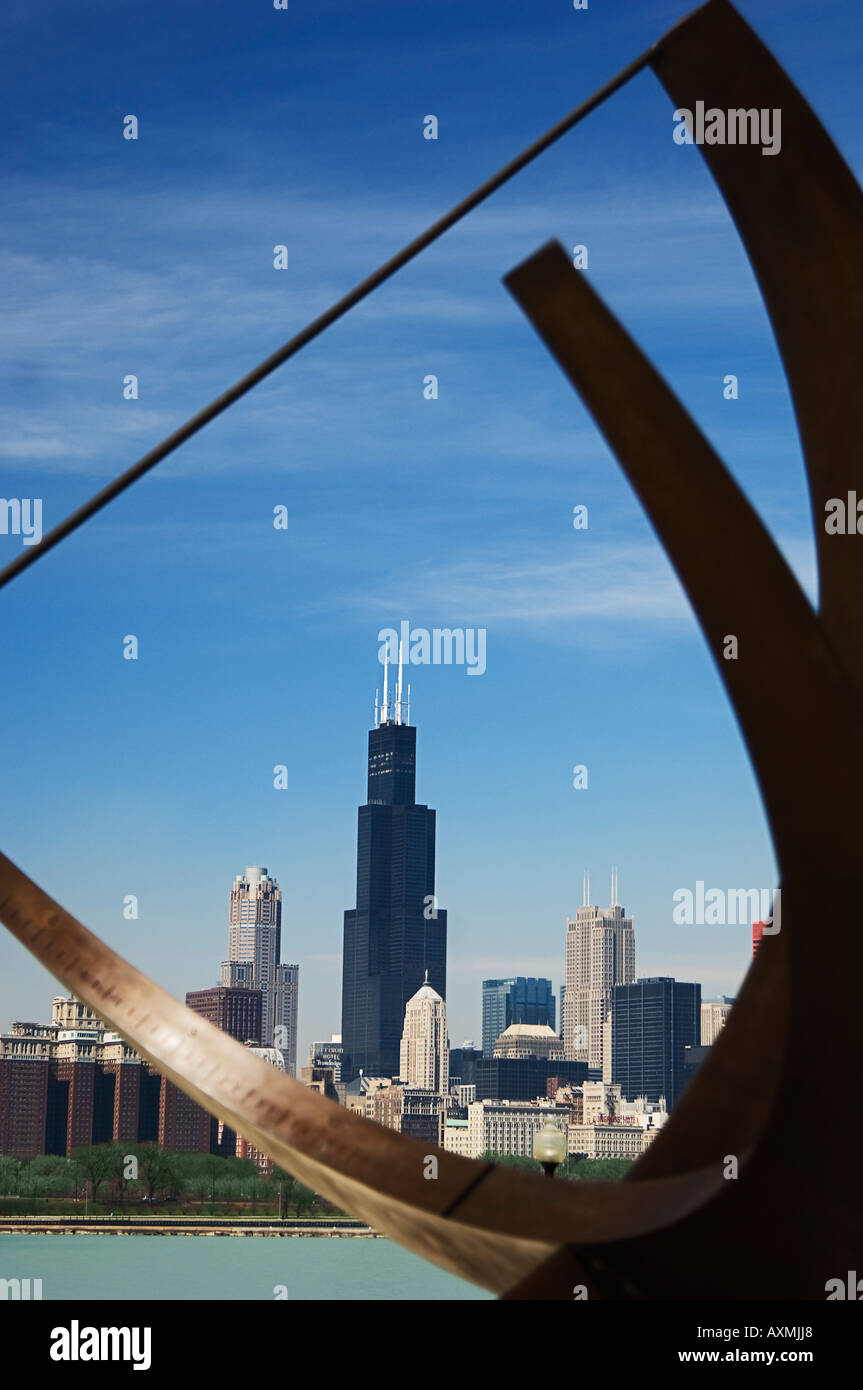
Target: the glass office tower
pixel 652 1021
pixel 519 999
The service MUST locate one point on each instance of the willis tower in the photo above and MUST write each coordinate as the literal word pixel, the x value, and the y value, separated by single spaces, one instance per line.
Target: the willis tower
pixel 395 934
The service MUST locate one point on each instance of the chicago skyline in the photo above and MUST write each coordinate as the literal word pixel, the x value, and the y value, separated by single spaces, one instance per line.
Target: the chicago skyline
pixel 634 1034
pixel 399 929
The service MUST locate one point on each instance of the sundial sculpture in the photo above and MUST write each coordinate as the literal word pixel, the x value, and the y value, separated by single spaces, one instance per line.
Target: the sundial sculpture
pixel 797 689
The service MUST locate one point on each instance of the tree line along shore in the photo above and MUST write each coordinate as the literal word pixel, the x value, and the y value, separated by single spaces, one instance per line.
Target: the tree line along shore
pixel 138 1187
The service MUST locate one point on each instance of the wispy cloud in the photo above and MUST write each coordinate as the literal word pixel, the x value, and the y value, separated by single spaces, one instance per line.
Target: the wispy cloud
pixel 631 582
pixel 604 582
pixel 188 323
pixel 98 291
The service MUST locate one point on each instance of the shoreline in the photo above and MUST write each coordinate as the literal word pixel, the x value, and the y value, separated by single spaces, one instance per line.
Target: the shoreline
pixel 183 1226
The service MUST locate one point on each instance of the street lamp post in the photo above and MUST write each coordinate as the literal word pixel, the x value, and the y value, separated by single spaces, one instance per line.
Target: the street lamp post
pixel 549 1146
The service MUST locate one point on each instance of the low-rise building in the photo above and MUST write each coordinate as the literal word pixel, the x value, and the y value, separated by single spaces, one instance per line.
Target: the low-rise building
pixel 456 1138
pixel 328 1055
pixel 359 1093
pixel 600 1100
pixel 463 1095
pixel 508 1127
pixel 614 1139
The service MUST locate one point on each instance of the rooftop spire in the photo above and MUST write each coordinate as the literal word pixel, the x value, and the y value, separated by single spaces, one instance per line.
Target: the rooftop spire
pixel 401 706
pixel 399 719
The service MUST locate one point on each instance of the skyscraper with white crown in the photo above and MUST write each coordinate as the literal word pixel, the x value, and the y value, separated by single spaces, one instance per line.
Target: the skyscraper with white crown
pixel 424 1054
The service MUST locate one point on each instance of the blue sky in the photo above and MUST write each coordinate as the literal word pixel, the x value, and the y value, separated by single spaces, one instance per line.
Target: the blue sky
pixel 259 647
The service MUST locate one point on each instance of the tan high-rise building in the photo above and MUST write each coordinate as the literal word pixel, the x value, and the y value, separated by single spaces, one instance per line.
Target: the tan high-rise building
pixel 254 959
pixel 424 1055
pixel 713 1018
pixel 255 927
pixel 600 953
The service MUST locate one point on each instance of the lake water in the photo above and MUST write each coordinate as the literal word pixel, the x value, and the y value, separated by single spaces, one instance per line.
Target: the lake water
pixel 226 1267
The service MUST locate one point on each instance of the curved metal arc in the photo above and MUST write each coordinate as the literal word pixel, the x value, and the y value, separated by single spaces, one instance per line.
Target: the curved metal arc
pixel 791 696
pixel 799 213
pixel 700 1131
pixel 801 718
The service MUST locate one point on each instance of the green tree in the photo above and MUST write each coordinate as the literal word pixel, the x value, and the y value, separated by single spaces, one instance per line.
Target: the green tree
pixel 156 1168
pixel 285 1184
pixel 122 1152
pixel 304 1199
pixel 96 1163
pixel 528 1165
pixel 52 1175
pixel 10 1175
pixel 582 1169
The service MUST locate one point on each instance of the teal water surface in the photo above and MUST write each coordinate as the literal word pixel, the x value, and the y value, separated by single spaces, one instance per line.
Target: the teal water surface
pixel 225 1267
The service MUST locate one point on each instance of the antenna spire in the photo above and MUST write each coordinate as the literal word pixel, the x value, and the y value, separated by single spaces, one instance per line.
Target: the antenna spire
pixel 399 719
pixel 397 711
pixel 586 889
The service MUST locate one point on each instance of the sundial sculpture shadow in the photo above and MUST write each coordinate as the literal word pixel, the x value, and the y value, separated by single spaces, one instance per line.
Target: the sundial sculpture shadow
pixel 676 1228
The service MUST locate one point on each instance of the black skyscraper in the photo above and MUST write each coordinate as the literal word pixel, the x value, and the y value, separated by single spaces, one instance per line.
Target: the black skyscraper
pixel 393 935
pixel 653 1021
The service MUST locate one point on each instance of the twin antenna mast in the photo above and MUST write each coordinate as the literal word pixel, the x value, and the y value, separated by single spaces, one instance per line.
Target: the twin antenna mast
pixel 401 709
pixel 615 889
